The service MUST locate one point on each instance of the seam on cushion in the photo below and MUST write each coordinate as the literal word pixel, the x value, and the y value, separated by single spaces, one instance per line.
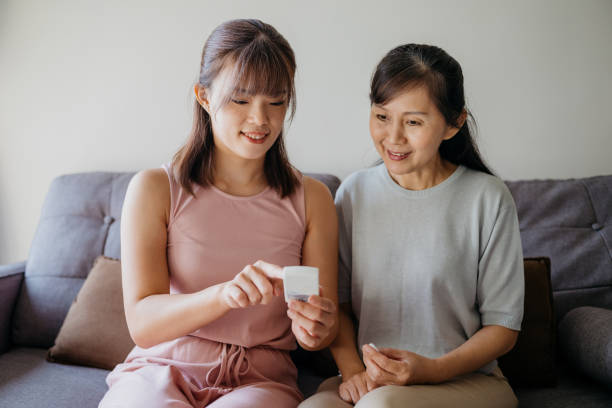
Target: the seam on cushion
pixel 589 227
pixel 108 211
pixel 70 215
pixel 55 276
pixel 606 243
pixel 579 289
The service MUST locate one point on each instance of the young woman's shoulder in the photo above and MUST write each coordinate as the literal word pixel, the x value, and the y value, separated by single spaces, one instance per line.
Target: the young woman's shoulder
pixel 318 199
pixel 315 190
pixel 149 190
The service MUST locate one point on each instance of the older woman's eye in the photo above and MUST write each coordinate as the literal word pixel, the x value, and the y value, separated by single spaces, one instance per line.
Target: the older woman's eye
pixel 381 117
pixel 413 123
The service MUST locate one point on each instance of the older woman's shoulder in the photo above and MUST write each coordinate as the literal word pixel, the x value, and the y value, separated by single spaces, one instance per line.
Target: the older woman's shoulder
pixel 488 184
pixel 361 178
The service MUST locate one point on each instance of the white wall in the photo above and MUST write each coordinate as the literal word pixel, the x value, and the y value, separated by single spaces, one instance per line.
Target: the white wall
pixel 91 85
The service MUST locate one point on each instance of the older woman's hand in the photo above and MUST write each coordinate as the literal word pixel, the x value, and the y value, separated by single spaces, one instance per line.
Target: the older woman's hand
pixel 390 366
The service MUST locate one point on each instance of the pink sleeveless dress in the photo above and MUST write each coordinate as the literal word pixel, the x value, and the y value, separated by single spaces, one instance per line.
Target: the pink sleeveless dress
pixel 241 359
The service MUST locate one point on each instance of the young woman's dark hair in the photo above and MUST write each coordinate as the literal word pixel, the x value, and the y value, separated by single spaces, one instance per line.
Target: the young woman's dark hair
pixel 412 65
pixel 260 61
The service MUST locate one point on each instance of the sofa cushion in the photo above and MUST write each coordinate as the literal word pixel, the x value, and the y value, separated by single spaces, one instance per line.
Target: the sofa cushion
pixel 573 390
pixel 27 380
pixel 585 338
pixel 570 222
pixel 532 360
pixel 95 331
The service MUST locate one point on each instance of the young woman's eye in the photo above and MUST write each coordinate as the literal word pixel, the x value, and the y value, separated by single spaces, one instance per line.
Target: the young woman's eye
pixel 279 103
pixel 381 117
pixel 239 101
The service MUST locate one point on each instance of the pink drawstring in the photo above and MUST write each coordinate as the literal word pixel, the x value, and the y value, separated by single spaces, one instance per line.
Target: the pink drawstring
pixel 229 370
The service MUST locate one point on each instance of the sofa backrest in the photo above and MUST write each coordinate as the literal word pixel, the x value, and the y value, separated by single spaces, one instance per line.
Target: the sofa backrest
pixel 570 222
pixel 80 220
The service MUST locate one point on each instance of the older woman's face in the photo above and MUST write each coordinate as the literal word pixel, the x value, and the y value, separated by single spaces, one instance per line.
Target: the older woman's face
pixel 407 132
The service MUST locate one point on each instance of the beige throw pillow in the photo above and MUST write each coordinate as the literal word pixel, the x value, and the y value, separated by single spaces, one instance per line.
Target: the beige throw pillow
pixel 95 331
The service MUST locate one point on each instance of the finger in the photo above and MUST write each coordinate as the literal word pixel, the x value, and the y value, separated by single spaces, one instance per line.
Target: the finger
pixel 323 303
pixel 271 270
pixel 394 354
pixel 278 286
pixel 385 363
pixel 314 328
pixel 361 386
pixel 369 383
pixel 312 313
pixel 303 336
pixel 344 393
pixel 377 374
pixel 238 296
pixel 262 283
pixel 353 392
pixel 243 280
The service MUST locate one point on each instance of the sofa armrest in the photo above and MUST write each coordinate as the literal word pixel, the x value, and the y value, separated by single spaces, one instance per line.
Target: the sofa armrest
pixel 11 277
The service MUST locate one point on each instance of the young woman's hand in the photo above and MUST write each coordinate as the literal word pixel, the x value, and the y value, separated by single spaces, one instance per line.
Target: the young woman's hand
pixel 352 389
pixel 255 284
pixel 312 321
pixel 398 367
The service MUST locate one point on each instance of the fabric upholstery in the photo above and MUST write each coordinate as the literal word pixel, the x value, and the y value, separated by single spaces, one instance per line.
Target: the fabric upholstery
pixel 95 331
pixel 27 380
pixel 570 222
pixel 79 221
pixel 585 337
pixel 10 281
pixel 572 390
pixel 532 360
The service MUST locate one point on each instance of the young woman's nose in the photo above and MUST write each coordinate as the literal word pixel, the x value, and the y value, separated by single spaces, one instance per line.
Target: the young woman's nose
pixel 258 114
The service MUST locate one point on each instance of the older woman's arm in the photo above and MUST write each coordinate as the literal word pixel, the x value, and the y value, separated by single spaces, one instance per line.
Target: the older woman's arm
pixel 401 367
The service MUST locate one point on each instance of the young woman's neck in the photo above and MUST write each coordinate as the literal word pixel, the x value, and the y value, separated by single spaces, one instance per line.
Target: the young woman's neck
pixel 238 176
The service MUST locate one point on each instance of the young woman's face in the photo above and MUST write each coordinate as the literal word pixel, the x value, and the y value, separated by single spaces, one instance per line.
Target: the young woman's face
pixel 248 125
pixel 407 132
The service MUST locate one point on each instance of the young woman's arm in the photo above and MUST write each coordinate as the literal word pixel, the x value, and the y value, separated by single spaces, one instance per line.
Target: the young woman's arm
pixel 401 367
pixel 355 381
pixel 153 315
pixel 344 349
pixel 315 323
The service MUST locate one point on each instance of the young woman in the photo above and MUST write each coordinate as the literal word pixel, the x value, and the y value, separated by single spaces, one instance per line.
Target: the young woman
pixel 430 252
pixel 204 237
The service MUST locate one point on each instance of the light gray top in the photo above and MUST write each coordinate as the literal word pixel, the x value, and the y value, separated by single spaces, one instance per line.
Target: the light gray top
pixel 425 270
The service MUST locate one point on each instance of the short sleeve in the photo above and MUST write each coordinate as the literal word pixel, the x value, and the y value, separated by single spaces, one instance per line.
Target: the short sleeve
pixel 345 218
pixel 501 279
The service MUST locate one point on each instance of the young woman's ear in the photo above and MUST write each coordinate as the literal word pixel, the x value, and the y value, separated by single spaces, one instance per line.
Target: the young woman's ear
pixel 451 131
pixel 200 93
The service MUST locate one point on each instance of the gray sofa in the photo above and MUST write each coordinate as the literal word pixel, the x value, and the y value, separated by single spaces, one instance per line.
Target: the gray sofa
pixel 568 221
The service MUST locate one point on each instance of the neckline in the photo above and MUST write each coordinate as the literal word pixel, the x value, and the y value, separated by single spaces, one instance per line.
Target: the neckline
pixel 420 193
pixel 239 198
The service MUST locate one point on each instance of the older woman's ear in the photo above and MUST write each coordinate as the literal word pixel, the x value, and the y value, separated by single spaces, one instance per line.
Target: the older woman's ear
pixel 451 131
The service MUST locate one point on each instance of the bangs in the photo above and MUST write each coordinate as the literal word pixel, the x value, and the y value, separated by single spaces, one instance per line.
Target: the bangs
pixel 260 69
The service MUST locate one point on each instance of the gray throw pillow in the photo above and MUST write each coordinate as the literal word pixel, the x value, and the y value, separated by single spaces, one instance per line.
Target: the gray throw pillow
pixel 585 338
